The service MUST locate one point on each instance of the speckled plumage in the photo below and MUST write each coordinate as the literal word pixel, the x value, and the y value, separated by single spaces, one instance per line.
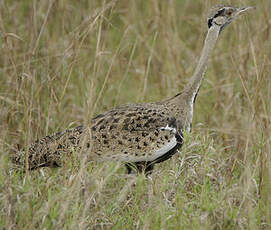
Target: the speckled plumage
pixel 130 133
pixel 142 134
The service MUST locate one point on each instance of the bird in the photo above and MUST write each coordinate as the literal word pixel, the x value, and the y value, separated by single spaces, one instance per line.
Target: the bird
pixel 139 135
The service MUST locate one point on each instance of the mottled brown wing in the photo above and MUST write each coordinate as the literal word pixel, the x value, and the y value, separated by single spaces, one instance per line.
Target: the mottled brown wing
pixel 133 133
pixel 51 150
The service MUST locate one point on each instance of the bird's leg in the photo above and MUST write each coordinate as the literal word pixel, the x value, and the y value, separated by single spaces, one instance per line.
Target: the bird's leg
pixel 130 167
pixel 133 167
pixel 148 168
pixel 145 167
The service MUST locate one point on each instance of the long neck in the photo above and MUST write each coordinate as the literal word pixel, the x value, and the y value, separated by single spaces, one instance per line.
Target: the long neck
pixel 191 89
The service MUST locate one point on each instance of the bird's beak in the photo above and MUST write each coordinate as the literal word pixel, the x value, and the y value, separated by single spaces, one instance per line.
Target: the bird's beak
pixel 244 9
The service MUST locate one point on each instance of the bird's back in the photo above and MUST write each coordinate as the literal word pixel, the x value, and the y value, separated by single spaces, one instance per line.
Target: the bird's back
pixel 130 133
pixel 136 132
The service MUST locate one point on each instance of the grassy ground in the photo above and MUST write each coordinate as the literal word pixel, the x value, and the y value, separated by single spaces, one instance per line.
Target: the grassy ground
pixel 61 62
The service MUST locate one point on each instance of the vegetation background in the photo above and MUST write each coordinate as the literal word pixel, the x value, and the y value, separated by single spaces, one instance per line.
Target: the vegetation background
pixel 63 61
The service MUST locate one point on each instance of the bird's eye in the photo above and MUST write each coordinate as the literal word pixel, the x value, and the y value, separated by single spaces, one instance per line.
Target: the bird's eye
pixel 229 12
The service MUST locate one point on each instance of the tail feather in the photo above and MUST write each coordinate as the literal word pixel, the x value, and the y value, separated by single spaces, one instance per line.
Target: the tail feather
pixel 50 151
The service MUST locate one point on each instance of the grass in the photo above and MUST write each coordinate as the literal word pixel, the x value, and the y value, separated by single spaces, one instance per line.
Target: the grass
pixel 62 62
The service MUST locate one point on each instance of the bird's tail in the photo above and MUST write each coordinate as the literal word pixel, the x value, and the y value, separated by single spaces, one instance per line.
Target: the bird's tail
pixel 50 151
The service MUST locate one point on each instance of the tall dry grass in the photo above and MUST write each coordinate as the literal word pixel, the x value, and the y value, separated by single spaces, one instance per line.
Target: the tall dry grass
pixel 64 61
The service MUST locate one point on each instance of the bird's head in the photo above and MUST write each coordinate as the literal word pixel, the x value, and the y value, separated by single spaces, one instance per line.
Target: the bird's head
pixel 224 15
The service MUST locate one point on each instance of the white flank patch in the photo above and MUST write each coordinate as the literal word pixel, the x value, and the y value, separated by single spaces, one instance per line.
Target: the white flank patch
pixel 169 129
pixel 154 155
pixel 148 157
pixel 165 148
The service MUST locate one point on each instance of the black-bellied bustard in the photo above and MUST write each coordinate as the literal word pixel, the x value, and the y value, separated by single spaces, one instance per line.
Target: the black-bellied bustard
pixel 138 134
